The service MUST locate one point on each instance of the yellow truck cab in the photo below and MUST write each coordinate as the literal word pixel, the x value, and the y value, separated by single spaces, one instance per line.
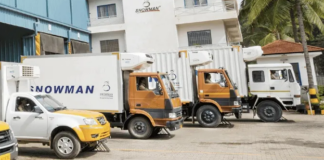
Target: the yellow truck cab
pixel 157 101
pixel 8 143
pixel 39 118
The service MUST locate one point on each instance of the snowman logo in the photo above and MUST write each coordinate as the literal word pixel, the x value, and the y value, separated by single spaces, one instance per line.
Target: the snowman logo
pixel 172 75
pixel 106 86
pixel 146 3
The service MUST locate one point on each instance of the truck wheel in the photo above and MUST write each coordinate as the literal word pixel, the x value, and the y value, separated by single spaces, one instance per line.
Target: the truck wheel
pixel 140 128
pixel 66 145
pixel 208 116
pixel 269 111
pixel 156 131
pixel 238 115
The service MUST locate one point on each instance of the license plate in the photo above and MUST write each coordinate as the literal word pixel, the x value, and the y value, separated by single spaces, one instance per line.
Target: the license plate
pixel 180 125
pixel 5 157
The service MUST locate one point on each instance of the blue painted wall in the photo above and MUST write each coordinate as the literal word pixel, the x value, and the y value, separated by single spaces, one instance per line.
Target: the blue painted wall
pixel 54 10
pixel 80 17
pixel 37 7
pixel 60 10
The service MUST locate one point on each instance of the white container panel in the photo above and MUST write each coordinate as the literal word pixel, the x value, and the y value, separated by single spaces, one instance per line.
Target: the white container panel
pixel 82 82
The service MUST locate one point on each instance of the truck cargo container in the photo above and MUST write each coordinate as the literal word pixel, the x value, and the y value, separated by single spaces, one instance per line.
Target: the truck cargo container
pixel 106 83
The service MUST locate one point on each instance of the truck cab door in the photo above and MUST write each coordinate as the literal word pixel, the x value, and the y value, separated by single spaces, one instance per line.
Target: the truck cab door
pixel 148 96
pixel 259 82
pixel 27 118
pixel 295 89
pixel 215 87
pixel 279 83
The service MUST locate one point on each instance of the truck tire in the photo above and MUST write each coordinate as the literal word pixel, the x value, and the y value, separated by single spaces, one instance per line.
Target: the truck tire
pixel 140 128
pixel 66 145
pixel 238 115
pixel 269 111
pixel 208 116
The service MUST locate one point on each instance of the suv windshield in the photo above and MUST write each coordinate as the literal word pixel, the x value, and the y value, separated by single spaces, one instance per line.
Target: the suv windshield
pixel 169 86
pixel 49 103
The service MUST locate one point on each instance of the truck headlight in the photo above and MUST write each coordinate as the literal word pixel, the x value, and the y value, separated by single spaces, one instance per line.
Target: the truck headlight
pixel 172 115
pixel 236 103
pixel 90 121
pixel 12 135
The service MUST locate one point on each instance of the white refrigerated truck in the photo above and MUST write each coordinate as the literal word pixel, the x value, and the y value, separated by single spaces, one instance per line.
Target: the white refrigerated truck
pixel 106 83
pixel 38 118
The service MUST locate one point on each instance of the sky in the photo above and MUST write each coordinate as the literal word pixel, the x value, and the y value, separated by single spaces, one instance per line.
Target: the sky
pixel 239 3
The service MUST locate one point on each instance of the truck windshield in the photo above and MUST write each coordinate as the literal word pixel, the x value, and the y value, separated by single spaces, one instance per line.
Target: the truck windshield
pixel 49 103
pixel 169 86
pixel 234 84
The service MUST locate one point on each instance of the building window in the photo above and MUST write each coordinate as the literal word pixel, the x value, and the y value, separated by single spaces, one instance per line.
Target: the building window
pixel 107 11
pixel 258 76
pixel 109 45
pixel 195 3
pixel 199 37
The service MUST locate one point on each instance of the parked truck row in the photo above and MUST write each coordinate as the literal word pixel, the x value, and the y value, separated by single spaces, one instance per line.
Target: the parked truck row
pixel 138 92
pixel 208 91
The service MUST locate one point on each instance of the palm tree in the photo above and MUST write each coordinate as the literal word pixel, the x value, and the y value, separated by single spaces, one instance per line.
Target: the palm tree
pixel 304 42
pixel 276 12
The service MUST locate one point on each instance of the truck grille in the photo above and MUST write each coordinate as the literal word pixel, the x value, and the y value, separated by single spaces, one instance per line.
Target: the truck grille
pixel 179 113
pixel 102 120
pixel 6 150
pixel 4 136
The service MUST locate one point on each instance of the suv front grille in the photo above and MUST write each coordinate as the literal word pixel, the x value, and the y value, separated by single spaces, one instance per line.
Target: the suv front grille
pixel 102 120
pixel 4 136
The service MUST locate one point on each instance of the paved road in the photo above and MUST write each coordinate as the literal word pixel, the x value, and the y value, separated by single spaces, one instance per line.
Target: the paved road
pixel 301 137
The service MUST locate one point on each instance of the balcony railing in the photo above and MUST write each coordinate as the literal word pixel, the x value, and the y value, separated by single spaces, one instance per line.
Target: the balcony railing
pixel 108 20
pixel 224 6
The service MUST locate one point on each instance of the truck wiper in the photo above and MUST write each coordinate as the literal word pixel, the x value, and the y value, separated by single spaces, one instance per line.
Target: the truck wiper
pixel 63 108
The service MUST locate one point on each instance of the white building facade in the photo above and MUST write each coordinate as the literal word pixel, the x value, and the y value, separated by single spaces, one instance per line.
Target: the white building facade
pixel 162 25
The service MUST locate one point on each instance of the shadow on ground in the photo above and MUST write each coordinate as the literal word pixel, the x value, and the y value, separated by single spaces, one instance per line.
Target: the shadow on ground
pixel 196 125
pixel 46 153
pixel 126 135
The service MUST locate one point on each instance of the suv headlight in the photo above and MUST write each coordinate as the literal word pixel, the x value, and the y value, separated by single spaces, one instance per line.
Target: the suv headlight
pixel 236 103
pixel 172 115
pixel 90 121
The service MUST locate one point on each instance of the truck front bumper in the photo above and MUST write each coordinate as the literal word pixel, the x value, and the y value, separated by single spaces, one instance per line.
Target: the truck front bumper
pixel 14 153
pixel 237 110
pixel 174 125
pixel 10 152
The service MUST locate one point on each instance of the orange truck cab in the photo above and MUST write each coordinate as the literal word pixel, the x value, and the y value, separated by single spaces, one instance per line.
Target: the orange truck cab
pixel 214 93
pixel 158 102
